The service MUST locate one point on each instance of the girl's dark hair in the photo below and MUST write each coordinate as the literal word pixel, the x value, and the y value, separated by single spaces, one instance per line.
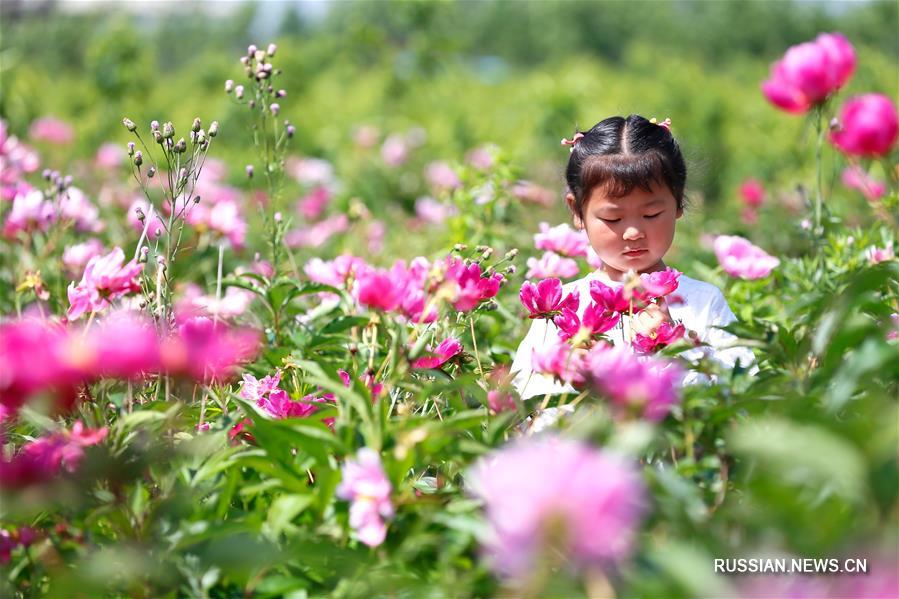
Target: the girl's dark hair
pixel 619 154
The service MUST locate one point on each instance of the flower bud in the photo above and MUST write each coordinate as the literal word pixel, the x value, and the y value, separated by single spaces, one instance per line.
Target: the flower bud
pixel 213 128
pixel 181 146
pixel 157 136
pixel 460 247
pixel 272 48
pixel 291 131
pixel 238 92
pixel 229 86
pixel 196 199
pixel 138 158
pixel 251 49
pixel 267 67
pixel 511 269
pixel 275 108
pixel 46 173
pixel 197 124
pixel 201 136
pixel 154 125
pixel 511 253
pixel 250 171
pixel 129 124
pixel 487 253
pixel 160 261
pixel 280 93
pixel 261 74
pixel 151 172
pixel 168 130
pixel 259 55
pixel 278 217
pixel 144 252
pixel 182 176
pixel 244 60
pixel 251 104
pixel 490 306
pixel 835 124
pixel 140 214
pixel 67 181
pixel 131 148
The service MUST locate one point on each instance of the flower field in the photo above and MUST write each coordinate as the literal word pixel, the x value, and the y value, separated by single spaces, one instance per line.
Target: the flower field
pixel 262 313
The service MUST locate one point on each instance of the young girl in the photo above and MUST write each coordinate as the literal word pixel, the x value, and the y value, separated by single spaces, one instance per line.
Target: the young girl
pixel 626 179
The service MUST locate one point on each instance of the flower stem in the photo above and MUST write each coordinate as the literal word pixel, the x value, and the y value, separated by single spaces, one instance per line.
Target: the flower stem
pixel 819 144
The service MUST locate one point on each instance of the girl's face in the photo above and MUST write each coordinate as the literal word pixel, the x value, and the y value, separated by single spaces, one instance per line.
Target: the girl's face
pixel 632 232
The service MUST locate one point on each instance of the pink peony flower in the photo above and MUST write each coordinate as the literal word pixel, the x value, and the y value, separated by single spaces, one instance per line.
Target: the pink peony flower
pixel 869 126
pixel 558 499
pixel 379 289
pixel 632 383
pixel 395 150
pixel 545 300
pixel 30 212
pixel 275 401
pixel 559 360
pixel 551 265
pixel 443 353
pixel 109 156
pixel 596 321
pixel 441 176
pixel 364 483
pixel 562 239
pixel 612 299
pixel 482 157
pixel 739 258
pixel 854 177
pixel 808 73
pixel 311 171
pixel 317 234
pixel 876 255
pixel 752 193
pixel 336 272
pixel 75 207
pixel 52 130
pixel 100 352
pixel 226 219
pixel 208 351
pixel 155 228
pixel 473 286
pixel 105 279
pixel 433 212
pixel 43 459
pixel 661 283
pixel 499 401
pixel 666 334
pixel 75 257
pixel 313 204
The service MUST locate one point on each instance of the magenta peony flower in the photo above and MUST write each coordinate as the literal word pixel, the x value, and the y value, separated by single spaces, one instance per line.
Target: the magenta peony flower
pixel 274 401
pixel 752 193
pixel 854 177
pixel 208 351
pixel 545 300
pixel 105 279
pixel 313 204
pixel 551 265
pixel 552 498
pixel 43 459
pixel 666 334
pixel 661 283
pixel 443 353
pixel 632 383
pixel 596 321
pixel 612 299
pixel 739 258
pixel 52 130
pixel 808 73
pixel 378 289
pixel 365 484
pixel 499 401
pixel 869 126
pixel 100 352
pixel 30 212
pixel 473 287
pixel 562 239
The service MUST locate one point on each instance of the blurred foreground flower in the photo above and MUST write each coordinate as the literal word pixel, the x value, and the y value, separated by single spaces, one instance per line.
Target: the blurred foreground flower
pixel 554 499
pixel 646 387
pixel 443 353
pixel 868 126
pixel 365 484
pixel 43 459
pixel 808 73
pixel 105 279
pixel 854 177
pixel 739 258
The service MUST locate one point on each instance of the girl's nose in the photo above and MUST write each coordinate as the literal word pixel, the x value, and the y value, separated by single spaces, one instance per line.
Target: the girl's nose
pixel 632 233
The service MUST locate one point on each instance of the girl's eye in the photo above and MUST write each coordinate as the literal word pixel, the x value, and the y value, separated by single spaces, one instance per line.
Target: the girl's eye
pixel 609 220
pixel 652 215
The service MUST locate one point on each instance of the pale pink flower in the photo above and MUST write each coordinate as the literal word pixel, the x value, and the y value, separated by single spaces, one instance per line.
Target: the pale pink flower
pixel 633 384
pixel 448 349
pixel 593 259
pixel 335 272
pixel 16 160
pixel 562 239
pixel 433 212
pixel 551 265
pixel 313 204
pixel 317 234
pixel 366 136
pixel 752 193
pixel 876 255
pixel 226 219
pixel 109 156
pixel 75 257
pixel 808 73
pixel 52 130
pixel 311 171
pixel 739 258
pixel 854 177
pixel 560 361
pixel 869 126
pixel 274 401
pixel 666 334
pixel 234 302
pixel 552 498
pixel 364 483
pixel 155 228
pixel 545 299
pixel 395 150
pixel 527 191
pixel 74 206
pixel 105 279
pixel 482 157
pixel 441 176
pixel 30 212
pixel 208 351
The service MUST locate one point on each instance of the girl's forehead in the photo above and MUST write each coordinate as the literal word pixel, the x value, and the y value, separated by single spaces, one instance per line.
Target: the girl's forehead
pixel 657 195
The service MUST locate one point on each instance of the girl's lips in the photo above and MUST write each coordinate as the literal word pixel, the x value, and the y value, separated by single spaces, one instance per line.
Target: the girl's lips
pixel 635 252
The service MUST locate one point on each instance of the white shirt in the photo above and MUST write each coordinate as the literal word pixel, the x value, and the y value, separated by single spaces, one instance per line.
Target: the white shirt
pixel 702 310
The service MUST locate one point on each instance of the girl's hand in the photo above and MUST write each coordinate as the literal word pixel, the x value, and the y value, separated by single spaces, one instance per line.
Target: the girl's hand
pixel 647 321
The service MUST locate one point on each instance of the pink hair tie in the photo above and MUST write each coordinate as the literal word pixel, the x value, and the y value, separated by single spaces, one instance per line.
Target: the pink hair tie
pixel 572 141
pixel 666 123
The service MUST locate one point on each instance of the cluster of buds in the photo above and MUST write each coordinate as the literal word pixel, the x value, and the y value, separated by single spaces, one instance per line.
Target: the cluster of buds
pixel 260 70
pixel 164 135
pixel 57 183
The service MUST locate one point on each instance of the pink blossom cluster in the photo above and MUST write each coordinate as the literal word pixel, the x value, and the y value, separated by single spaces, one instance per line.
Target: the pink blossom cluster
pixel 16 160
pixel 366 486
pixel 30 212
pixel 546 300
pixel 562 239
pixel 441 177
pixel 105 279
pixel 46 457
pixel 855 177
pixel 276 402
pixel 551 265
pixel 740 258
pixel 810 72
pixel 548 498
pixel 52 130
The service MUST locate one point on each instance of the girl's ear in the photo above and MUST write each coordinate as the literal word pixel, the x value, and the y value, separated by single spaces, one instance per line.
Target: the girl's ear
pixel 679 213
pixel 578 222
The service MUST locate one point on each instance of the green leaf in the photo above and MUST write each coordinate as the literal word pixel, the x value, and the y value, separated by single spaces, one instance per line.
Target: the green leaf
pixel 282 511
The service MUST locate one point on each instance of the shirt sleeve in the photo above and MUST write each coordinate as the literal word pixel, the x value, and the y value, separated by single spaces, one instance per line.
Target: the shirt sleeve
pixel 725 346
pixel 527 382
